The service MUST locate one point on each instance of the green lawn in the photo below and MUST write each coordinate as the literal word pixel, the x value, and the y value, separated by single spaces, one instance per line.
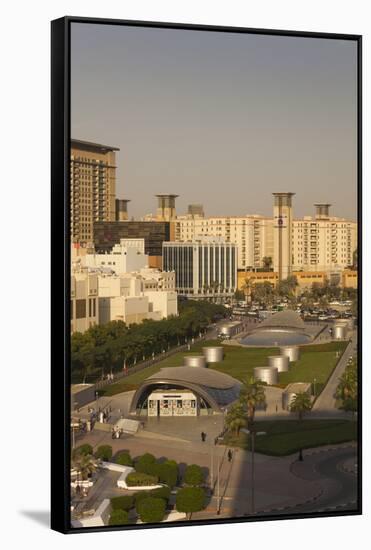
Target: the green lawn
pixel 285 437
pixel 315 362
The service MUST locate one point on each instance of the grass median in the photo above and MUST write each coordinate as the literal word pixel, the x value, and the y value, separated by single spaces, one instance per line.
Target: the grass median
pixel 285 437
pixel 316 362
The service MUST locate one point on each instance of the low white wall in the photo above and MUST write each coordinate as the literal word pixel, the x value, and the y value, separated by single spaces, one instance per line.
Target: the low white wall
pixel 99 519
pixel 125 471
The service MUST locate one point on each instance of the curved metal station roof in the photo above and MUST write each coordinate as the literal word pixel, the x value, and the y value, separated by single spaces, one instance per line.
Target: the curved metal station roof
pixel 283 319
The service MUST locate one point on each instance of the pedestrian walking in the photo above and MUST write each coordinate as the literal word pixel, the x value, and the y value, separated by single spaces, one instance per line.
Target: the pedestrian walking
pixel 230 455
pixel 203 436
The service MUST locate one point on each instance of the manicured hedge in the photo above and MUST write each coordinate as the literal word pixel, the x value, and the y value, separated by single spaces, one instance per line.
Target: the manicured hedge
pixel 146 464
pixel 193 475
pixel 161 492
pixel 140 479
pixel 104 452
pixel 118 517
pixel 151 509
pixel 167 473
pixel 124 459
pixel 122 503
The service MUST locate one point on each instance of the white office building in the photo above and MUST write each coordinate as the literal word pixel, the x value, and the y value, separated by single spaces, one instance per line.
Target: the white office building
pixel 203 269
pixel 125 257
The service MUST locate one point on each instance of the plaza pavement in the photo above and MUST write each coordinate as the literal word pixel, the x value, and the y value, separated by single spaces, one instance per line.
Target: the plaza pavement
pixel 275 485
pixel 326 401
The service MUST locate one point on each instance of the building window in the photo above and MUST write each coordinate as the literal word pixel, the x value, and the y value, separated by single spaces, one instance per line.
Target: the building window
pixel 80 309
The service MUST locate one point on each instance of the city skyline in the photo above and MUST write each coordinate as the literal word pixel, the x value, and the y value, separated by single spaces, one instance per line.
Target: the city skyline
pixel 295 107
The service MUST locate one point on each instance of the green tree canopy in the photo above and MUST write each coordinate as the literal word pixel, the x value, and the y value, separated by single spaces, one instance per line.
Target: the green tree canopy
pixel 190 499
pixel 151 509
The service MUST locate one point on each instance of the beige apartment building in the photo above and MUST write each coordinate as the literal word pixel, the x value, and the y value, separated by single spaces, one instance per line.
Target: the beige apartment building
pixel 93 188
pixel 84 301
pixel 253 235
pixel 284 244
pixel 323 242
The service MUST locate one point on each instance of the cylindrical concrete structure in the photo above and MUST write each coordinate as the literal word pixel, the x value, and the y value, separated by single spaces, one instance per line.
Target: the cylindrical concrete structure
pixel 213 354
pixel 266 374
pixel 292 352
pixel 281 362
pixel 340 332
pixel 194 361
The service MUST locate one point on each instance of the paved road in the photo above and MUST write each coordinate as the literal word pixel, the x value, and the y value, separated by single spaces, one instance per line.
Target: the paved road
pixel 339 486
pixel 326 401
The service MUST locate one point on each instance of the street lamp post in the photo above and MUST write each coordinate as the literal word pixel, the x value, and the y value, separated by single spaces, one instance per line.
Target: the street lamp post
pixel 252 433
pixel 212 467
pixel 218 489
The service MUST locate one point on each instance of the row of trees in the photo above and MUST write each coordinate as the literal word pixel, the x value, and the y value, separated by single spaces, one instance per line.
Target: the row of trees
pixel 107 348
pixel 347 389
pixel 265 292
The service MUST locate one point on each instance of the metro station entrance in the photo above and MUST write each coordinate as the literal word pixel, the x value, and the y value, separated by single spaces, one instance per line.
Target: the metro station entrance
pixel 172 403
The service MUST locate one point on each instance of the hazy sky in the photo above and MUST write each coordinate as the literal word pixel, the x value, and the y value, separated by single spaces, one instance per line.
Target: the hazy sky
pixel 220 119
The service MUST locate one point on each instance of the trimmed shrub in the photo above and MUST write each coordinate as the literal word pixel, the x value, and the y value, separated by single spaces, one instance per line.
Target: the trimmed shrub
pixel 85 449
pixel 145 464
pixel 193 475
pixel 190 499
pixel 151 509
pixel 161 492
pixel 140 479
pixel 104 452
pixel 122 503
pixel 167 473
pixel 171 462
pixel 124 459
pixel 118 517
pixel 141 495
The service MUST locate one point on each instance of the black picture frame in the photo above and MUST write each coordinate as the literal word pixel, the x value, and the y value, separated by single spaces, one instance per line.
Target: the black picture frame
pixel 60 266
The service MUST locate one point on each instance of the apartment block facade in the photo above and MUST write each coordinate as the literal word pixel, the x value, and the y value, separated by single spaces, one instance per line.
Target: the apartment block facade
pixel 93 188
pixel 284 244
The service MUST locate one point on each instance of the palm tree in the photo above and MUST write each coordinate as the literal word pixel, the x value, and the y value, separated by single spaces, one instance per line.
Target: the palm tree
pixel 85 465
pixel 236 417
pixel 247 287
pixel 267 263
pixel 253 394
pixel 301 404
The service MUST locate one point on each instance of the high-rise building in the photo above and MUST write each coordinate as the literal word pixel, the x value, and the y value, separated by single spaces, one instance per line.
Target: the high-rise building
pixel 93 188
pixel 203 269
pixel 323 242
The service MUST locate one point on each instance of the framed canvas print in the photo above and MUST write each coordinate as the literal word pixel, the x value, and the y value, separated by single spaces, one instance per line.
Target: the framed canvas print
pixel 206 271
